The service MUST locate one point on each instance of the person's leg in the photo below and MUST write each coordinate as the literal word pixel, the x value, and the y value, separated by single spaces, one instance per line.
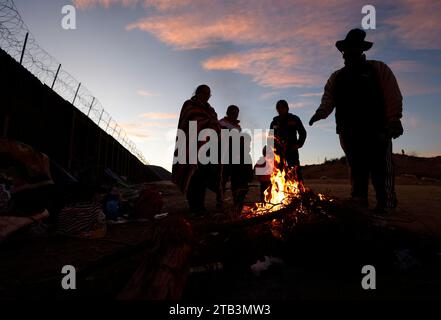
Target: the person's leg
pixel 391 196
pixel 382 171
pixel 239 186
pixel 293 160
pixel 356 154
pixel 378 168
pixel 220 194
pixel 263 187
pixel 212 175
pixel 196 193
pixel 235 182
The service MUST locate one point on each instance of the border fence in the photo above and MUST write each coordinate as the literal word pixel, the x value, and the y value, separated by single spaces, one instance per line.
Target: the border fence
pixel 20 44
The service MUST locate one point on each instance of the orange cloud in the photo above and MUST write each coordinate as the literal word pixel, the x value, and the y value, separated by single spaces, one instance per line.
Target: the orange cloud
pixel 289 43
pixel 271 67
pixel 159 124
pixel 146 130
pixel 160 5
pixel 291 36
pixel 167 4
pixel 135 130
pixel 82 4
pixel 192 31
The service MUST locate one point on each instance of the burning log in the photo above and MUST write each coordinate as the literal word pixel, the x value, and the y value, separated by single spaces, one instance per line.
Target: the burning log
pixel 305 205
pixel 286 199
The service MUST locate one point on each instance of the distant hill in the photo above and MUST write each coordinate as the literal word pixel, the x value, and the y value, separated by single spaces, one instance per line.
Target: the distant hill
pixel 405 165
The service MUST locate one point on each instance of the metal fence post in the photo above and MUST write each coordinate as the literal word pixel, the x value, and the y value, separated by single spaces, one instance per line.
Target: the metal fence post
pixel 24 48
pixel 108 123
pixel 76 93
pixel 101 115
pixel 56 75
pixel 90 108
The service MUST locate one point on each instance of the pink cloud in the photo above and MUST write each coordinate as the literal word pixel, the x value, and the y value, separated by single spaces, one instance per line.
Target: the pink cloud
pixel 135 130
pixel 201 24
pixel 146 130
pixel 191 31
pixel 159 124
pixel 163 5
pixel 82 4
pixel 291 36
pixel 160 5
pixel 270 67
pixel 289 43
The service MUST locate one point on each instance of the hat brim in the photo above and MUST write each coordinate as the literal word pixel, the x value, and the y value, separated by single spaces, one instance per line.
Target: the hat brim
pixel 342 44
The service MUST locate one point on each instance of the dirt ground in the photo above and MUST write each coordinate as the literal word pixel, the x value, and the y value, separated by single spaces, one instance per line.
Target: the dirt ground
pixel 419 202
pixel 419 207
pixel 323 260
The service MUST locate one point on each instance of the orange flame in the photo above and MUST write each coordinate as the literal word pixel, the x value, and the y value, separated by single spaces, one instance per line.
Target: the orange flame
pixel 284 187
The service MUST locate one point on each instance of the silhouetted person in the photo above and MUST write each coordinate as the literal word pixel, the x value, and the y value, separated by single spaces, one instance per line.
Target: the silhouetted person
pixel 194 179
pixel 290 135
pixel 368 109
pixel 264 163
pixel 241 172
pixel 229 122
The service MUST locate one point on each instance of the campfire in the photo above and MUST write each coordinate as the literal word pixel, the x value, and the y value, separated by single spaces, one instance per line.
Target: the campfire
pixel 287 199
pixel 284 188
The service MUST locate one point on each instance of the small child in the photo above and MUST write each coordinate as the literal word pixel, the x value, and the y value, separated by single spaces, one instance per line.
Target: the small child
pixel 263 170
pixel 242 173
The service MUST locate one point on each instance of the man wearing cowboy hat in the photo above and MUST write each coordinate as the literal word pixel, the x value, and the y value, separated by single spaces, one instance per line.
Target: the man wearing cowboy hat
pixel 368 109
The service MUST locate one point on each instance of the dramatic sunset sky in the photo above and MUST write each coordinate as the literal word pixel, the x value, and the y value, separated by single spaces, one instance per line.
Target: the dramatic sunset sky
pixel 144 58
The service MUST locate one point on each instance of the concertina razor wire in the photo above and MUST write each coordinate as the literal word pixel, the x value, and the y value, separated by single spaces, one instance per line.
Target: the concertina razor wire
pixel 41 64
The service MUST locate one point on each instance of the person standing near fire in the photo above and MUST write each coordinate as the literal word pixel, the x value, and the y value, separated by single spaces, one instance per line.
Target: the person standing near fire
pixel 289 137
pixel 194 178
pixel 229 122
pixel 368 109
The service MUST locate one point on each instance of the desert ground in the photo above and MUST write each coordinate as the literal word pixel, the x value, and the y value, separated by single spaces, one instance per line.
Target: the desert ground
pixel 419 207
